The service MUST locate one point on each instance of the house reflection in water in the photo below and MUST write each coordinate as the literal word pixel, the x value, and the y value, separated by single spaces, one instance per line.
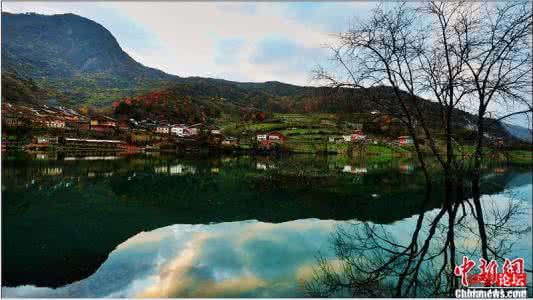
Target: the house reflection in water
pixel 354 170
pixel 499 170
pixel 41 156
pixel 264 166
pixel 178 169
pixel 406 168
pixel 52 171
pixel 91 158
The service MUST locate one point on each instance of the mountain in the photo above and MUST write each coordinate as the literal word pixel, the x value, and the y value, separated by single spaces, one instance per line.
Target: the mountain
pixel 519 132
pixel 75 61
pixel 75 55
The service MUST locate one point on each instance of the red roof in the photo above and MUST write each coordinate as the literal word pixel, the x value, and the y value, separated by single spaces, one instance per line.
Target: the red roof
pixel 276 133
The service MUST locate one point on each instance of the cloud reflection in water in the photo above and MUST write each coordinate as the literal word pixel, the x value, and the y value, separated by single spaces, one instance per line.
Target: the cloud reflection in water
pixel 237 259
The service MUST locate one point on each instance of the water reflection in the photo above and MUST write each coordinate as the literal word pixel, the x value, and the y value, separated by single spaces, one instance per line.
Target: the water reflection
pixel 257 259
pixel 177 169
pixel 239 259
pixel 354 170
pixel 114 227
pixel 419 260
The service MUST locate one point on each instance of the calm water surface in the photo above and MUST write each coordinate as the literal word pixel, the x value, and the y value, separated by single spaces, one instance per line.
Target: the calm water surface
pixel 166 226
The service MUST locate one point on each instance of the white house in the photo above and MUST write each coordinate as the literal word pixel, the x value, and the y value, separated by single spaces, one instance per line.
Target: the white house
pixel 261 137
pixel 55 123
pixel 178 130
pixel 162 129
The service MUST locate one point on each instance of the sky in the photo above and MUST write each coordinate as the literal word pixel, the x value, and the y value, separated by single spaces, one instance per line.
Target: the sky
pixel 281 41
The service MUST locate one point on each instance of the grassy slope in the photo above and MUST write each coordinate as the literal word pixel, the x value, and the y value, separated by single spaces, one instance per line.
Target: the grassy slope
pixel 308 133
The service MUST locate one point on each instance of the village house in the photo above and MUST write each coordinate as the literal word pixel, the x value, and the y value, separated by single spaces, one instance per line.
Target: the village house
pixel 183 130
pixel 51 122
pixel 102 123
pixel 162 129
pixel 178 129
pixel 405 140
pixel 261 137
pixel 274 136
pixel 358 136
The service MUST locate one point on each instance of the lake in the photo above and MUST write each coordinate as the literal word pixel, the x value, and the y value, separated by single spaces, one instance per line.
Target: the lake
pixel 227 226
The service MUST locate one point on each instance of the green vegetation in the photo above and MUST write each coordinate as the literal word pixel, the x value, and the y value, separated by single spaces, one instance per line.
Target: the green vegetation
pixel 520 157
pixel 310 133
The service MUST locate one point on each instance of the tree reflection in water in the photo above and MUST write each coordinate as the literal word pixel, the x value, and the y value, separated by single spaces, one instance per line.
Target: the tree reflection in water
pixel 373 262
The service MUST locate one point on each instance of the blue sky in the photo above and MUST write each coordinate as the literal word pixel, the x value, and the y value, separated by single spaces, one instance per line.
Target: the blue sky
pixel 239 41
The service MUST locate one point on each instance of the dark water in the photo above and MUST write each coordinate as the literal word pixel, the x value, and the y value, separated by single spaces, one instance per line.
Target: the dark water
pixel 165 226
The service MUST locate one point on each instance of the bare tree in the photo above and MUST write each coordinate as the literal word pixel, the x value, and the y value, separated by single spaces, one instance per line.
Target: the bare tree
pixel 456 53
pixel 384 50
pixel 494 42
pixel 443 68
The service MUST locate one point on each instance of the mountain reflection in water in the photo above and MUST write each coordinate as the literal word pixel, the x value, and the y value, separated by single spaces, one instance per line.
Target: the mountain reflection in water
pixel 104 228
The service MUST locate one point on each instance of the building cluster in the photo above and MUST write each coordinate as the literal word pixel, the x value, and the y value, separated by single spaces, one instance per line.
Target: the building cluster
pixel 180 130
pixel 58 117
pixel 39 116
pixel 71 124
pixel 270 140
pixel 146 132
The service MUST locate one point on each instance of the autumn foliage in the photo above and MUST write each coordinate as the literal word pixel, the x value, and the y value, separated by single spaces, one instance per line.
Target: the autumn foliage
pixel 164 105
